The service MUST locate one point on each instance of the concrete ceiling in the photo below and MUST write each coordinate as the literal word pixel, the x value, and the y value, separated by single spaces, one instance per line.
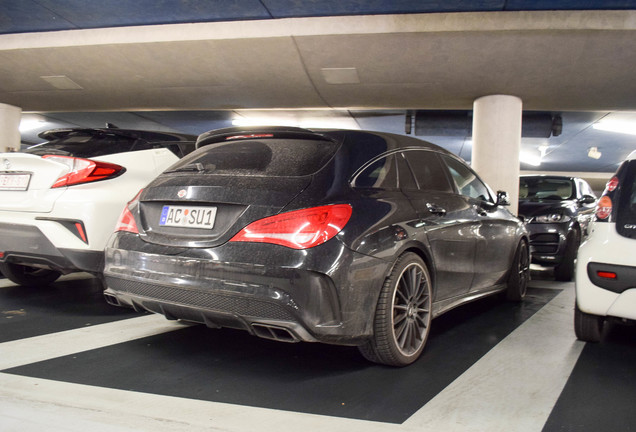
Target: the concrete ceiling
pixel 362 71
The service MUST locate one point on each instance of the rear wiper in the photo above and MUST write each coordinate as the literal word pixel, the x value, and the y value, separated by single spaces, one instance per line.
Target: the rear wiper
pixel 198 167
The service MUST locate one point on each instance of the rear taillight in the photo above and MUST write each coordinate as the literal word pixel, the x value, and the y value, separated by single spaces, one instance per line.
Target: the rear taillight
pixel 126 221
pixel 604 208
pixel 299 229
pixel 612 184
pixel 83 170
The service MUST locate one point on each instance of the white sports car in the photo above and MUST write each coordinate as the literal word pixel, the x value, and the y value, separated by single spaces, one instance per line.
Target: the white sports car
pixel 60 200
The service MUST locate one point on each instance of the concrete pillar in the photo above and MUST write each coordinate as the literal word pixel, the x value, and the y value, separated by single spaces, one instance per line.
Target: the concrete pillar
pixel 496 143
pixel 9 127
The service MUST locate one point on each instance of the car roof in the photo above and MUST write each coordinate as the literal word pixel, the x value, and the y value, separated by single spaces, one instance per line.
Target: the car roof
pixel 632 155
pixel 341 136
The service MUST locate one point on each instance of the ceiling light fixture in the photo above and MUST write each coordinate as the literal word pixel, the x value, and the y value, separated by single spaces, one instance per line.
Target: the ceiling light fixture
pixel 346 75
pixel 62 82
pixel 31 123
pixel 594 153
pixel 617 126
pixel 530 158
pixel 307 122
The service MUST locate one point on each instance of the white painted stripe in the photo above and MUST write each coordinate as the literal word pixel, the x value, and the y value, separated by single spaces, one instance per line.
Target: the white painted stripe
pixel 515 385
pixel 36 404
pixel 39 348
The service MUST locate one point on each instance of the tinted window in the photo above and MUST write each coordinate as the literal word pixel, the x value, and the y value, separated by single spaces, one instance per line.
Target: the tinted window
pixel 428 170
pixel 271 157
pixel 546 188
pixel 381 174
pixel 626 213
pixel 466 180
pixel 87 146
pixel 406 180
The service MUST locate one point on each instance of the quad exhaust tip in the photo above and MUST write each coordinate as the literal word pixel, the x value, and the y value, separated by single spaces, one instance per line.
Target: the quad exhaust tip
pixel 112 300
pixel 280 334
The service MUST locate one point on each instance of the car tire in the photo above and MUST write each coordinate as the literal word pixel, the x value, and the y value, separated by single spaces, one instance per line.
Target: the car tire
pixel 517 284
pixel 587 327
pixel 403 314
pixel 27 275
pixel 564 272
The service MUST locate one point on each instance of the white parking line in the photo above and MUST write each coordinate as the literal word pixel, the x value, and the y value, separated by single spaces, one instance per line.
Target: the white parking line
pixel 513 387
pixel 516 384
pixel 39 348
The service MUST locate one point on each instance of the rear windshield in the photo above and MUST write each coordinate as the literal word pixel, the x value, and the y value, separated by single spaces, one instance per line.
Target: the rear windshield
pixel 88 146
pixel 546 188
pixel 276 157
pixel 626 212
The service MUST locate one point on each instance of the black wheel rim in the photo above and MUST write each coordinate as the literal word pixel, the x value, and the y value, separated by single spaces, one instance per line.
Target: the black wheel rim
pixel 411 309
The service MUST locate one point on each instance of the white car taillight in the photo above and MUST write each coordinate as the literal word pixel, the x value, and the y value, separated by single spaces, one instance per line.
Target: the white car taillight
pixel 83 170
pixel 604 208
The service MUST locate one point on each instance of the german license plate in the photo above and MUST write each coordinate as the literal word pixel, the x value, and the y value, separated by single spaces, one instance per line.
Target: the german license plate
pixel 16 182
pixel 188 216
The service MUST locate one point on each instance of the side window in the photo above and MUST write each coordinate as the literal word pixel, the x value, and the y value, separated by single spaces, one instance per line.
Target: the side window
pixel 381 174
pixel 467 182
pixel 406 181
pixel 428 170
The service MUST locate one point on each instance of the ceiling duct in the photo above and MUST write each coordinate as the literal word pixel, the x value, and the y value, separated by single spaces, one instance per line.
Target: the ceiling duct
pixel 460 123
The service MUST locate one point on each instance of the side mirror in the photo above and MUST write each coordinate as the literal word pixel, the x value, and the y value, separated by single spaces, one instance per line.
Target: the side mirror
pixel 502 198
pixel 587 199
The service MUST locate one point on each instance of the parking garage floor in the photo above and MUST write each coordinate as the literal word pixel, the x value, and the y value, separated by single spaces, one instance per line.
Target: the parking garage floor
pixel 70 362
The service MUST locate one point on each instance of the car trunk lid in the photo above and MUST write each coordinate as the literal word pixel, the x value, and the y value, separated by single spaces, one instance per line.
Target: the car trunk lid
pixel 26 180
pixel 229 202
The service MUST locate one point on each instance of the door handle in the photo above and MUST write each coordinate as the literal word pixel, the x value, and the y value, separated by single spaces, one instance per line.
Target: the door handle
pixel 435 209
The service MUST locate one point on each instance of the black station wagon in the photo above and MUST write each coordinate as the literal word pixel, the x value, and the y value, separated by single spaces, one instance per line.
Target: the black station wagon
pixel 335 236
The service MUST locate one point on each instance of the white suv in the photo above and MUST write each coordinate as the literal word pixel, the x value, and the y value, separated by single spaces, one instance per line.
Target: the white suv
pixel 60 200
pixel 606 265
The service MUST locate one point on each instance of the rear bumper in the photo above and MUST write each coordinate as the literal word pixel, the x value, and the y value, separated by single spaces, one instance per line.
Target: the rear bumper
pixel 27 245
pixel 606 251
pixel 271 301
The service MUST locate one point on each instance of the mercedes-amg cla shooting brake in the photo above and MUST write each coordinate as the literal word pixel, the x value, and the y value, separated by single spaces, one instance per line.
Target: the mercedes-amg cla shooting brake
pixel 343 237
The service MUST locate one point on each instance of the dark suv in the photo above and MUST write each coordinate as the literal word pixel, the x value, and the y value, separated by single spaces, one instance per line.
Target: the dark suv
pixel 557 210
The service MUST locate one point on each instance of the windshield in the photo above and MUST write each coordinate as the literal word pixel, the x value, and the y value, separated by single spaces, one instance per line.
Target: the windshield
pixel 546 188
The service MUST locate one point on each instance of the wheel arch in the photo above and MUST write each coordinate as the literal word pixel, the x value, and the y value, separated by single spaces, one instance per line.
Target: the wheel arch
pixel 420 250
